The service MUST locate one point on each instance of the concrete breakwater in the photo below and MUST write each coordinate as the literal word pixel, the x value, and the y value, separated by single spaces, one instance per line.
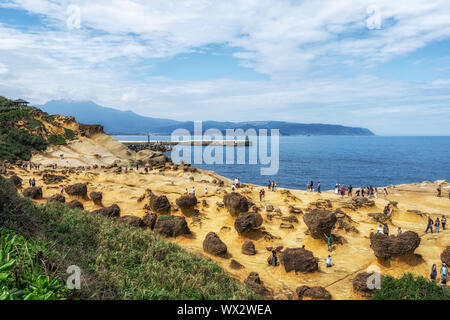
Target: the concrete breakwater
pixel 166 145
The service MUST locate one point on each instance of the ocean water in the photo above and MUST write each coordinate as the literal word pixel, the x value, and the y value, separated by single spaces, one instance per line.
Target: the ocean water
pixel 359 161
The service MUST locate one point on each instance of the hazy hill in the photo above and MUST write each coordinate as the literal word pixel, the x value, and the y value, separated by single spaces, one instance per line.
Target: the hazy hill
pixel 128 122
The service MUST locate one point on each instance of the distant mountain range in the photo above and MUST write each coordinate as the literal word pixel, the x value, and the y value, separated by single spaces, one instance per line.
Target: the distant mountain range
pixel 127 122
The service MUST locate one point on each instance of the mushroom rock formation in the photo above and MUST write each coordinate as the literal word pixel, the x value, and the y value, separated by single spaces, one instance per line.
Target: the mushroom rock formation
pixel 159 204
pixel 445 256
pixel 131 220
pixel 385 246
pixel 320 222
pixel 149 220
pixel 171 226
pixel 213 245
pixel 75 204
pixel 49 178
pixel 16 180
pixel 362 281
pixel 235 265
pixel 78 190
pixel 248 221
pixel 236 203
pixel 33 193
pixel 299 259
pixel 57 198
pixel 187 203
pixel 97 198
pixel 248 248
pixel 111 211
pixel 315 293
pixel 256 285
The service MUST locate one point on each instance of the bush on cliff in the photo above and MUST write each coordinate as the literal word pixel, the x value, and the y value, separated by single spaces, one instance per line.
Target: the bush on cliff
pixel 409 287
pixel 18 144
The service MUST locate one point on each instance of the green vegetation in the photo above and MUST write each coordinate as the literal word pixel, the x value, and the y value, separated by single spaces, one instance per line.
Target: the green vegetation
pixel 18 144
pixel 22 270
pixel 56 140
pixel 5 103
pixel 409 287
pixel 117 261
pixel 69 134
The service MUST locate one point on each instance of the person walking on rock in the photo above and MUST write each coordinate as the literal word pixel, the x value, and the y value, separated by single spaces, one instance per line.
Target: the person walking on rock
pixel 429 225
pixel 444 273
pixel 437 224
pixel 433 274
pixel 443 222
pixel 318 187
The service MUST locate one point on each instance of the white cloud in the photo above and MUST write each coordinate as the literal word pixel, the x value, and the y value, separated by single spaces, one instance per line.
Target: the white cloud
pixel 293 42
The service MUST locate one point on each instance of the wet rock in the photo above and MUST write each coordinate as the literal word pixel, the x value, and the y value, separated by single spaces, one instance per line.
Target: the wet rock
pixel 149 220
pixel 236 203
pixel 299 259
pixel 75 204
pixel 256 285
pixel 314 293
pixel 33 193
pixel 78 190
pixel 97 198
pixel 363 283
pixel 16 180
pixel 111 211
pixel 131 220
pixel 320 222
pixel 248 248
pixel 213 245
pixel 235 265
pixel 171 226
pixel 445 256
pixel 159 204
pixel 385 246
pixel 57 198
pixel 248 221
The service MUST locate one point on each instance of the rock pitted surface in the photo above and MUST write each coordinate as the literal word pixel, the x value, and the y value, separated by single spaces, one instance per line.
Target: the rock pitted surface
pixel 314 293
pixel 213 245
pixel 248 221
pixel 236 203
pixel 385 246
pixel 299 259
pixel 320 222
pixel 171 226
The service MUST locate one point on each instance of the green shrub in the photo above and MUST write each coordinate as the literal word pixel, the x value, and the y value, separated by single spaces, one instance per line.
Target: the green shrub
pixel 56 140
pixel 118 261
pixel 22 274
pixel 409 287
pixel 18 144
pixel 48 118
pixel 69 134
pixel 33 124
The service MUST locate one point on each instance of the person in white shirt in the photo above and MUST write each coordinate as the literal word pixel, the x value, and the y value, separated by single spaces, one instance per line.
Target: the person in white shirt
pixel 328 261
pixel 186 192
pixel 206 190
pixel 193 191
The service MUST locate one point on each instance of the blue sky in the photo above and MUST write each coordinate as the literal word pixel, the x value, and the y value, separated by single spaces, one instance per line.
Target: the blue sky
pixel 384 65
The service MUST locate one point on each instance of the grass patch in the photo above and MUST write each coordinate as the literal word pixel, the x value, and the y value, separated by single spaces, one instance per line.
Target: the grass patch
pixel 409 287
pixel 117 261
